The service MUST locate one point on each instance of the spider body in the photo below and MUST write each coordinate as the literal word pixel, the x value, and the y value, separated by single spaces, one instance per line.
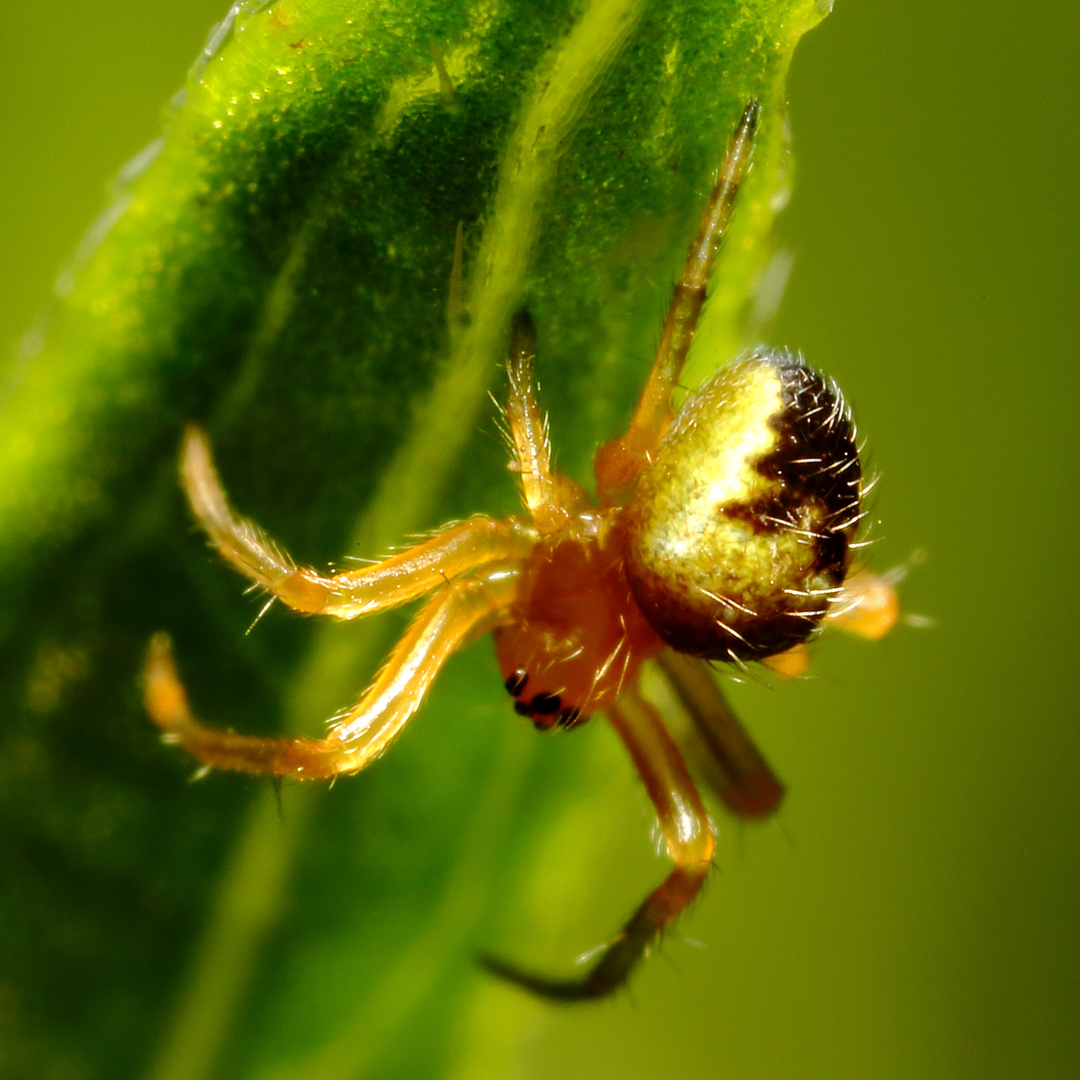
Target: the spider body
pixel 736 540
pixel 577 635
pixel 723 533
pixel 739 533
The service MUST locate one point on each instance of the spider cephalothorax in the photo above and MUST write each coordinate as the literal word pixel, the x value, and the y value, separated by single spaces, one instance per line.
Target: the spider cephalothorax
pixel 721 533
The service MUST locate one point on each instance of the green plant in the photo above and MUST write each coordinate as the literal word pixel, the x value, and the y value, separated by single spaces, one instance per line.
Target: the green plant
pixel 282 271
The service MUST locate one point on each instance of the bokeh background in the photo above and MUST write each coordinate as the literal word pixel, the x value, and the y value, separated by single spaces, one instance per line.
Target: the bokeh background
pixel 913 913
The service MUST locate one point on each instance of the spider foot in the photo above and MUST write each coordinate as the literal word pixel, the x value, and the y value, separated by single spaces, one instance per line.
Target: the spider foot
pixel 598 983
pixel 617 960
pixel 167 703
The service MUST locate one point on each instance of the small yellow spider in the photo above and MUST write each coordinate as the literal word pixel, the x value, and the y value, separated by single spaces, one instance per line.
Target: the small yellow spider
pixel 723 533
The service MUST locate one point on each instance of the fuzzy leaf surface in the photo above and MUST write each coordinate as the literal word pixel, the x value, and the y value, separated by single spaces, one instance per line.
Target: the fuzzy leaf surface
pixel 279 269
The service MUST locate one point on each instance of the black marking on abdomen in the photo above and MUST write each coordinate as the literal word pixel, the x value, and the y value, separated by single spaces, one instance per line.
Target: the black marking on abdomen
pixel 815 461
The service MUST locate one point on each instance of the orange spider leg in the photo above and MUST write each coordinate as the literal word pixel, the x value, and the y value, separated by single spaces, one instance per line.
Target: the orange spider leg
pixel 791 663
pixel 619 462
pixel 690 845
pixel 868 605
pixel 719 745
pixel 551 499
pixel 394 581
pixel 458 611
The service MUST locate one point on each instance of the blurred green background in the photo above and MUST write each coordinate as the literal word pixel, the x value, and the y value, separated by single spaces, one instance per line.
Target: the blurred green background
pixel 913 913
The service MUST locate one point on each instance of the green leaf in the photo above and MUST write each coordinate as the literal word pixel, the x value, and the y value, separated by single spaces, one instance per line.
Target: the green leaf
pixel 279 268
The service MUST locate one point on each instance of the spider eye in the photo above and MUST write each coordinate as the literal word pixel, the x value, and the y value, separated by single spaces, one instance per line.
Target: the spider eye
pixel 738 535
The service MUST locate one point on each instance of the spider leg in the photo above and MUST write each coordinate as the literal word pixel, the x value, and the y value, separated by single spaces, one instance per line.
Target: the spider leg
pixel 551 499
pixel 620 461
pixel 718 744
pixel 868 605
pixel 792 663
pixel 689 841
pixel 454 614
pixel 403 577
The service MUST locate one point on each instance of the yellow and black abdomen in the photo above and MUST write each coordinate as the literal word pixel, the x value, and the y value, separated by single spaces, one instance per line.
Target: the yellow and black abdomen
pixel 739 533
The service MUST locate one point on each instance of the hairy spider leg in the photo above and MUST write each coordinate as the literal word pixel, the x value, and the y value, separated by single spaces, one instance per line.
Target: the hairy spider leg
pixel 868 606
pixel 687 836
pixel 460 610
pixel 478 542
pixel 551 498
pixel 621 460
pixel 718 744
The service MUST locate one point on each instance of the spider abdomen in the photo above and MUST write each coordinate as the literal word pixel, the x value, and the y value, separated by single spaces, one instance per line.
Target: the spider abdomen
pixel 738 535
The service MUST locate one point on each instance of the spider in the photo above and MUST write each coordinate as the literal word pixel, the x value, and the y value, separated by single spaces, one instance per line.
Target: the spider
pixel 723 533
